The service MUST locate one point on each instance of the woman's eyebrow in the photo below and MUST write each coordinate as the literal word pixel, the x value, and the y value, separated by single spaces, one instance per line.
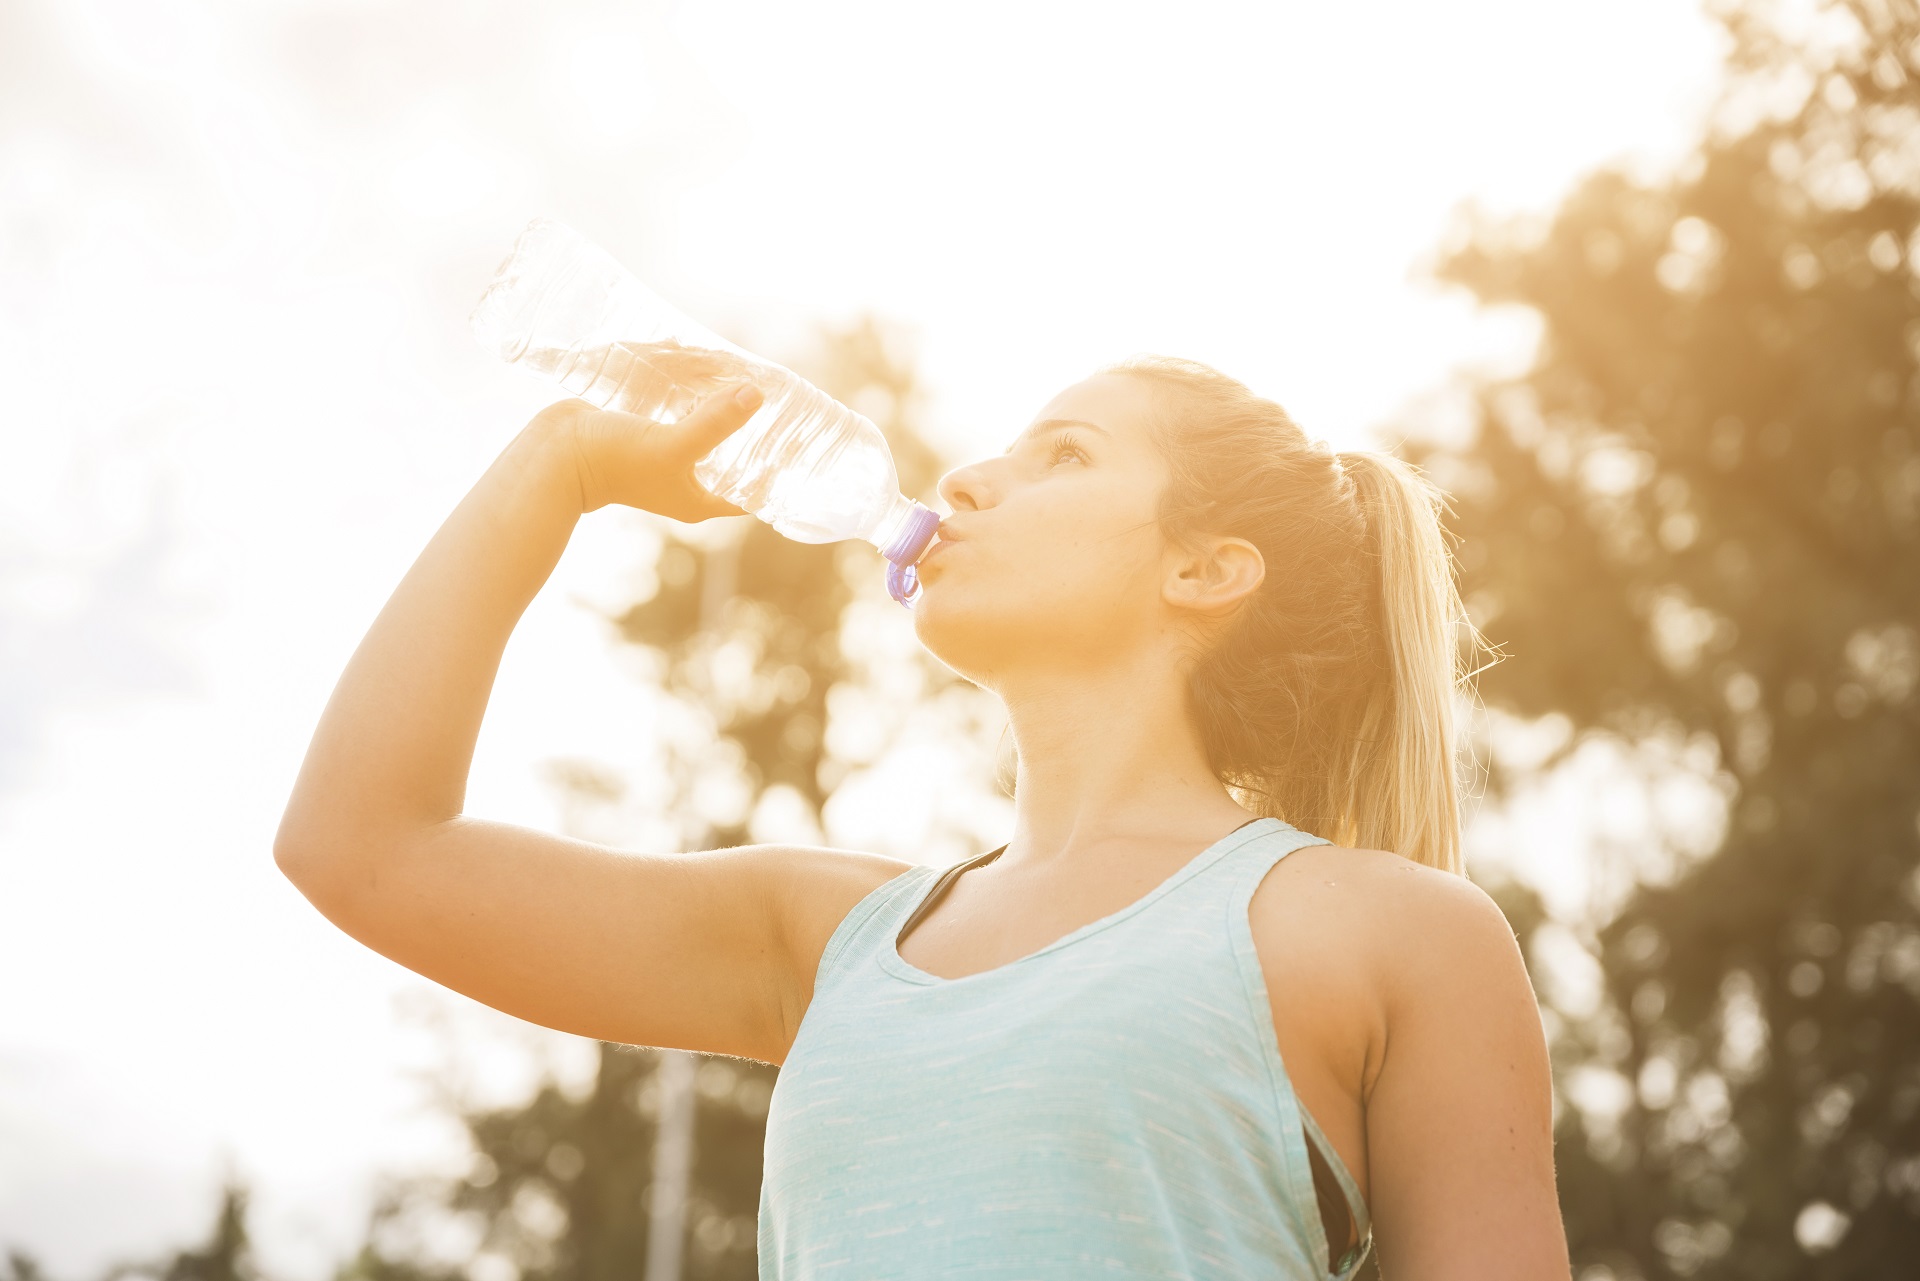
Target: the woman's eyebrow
pixel 1055 424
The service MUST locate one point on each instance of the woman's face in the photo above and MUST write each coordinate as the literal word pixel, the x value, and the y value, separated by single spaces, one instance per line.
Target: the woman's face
pixel 1053 555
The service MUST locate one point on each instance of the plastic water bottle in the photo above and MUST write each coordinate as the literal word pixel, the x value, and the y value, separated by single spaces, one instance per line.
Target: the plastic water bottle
pixel 806 464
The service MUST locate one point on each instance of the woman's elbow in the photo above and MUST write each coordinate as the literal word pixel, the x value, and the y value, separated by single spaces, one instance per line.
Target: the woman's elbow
pixel 318 860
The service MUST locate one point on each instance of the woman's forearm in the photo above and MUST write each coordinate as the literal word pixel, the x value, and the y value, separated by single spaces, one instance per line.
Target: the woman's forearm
pixel 392 751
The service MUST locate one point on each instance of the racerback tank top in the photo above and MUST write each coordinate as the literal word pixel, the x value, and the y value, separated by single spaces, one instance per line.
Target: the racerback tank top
pixel 1113 1104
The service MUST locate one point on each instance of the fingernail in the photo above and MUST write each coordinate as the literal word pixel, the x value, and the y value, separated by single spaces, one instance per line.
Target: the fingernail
pixel 747 397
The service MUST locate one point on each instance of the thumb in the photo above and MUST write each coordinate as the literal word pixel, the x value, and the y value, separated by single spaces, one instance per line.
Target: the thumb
pixel 718 417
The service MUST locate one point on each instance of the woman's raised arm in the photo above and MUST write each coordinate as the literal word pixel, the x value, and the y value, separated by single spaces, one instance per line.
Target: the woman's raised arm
pixel 686 951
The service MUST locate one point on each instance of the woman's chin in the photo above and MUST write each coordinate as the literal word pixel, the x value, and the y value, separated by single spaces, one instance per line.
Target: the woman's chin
pixel 976 632
pixel 952 629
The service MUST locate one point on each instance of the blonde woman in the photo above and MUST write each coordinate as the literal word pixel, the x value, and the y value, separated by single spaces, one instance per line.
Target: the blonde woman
pixel 1223 1007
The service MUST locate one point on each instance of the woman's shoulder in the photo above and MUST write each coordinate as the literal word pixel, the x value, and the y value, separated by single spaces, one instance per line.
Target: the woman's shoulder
pixel 1373 908
pixel 1357 938
pixel 1416 1027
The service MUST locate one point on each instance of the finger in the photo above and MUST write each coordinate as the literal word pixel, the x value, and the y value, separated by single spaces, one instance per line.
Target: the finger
pixel 711 505
pixel 718 417
pixel 705 504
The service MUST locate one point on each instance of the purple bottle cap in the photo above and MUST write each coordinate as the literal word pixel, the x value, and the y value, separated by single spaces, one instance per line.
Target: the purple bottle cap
pixel 903 584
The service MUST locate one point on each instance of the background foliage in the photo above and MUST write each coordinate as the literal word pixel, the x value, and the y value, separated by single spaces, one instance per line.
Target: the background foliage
pixel 1692 524
pixel 1697 518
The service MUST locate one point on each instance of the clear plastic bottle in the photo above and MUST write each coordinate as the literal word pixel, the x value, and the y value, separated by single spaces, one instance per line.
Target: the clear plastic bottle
pixel 804 463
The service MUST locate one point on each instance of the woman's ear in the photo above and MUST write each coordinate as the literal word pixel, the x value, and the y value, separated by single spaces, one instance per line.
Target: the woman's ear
pixel 1213 577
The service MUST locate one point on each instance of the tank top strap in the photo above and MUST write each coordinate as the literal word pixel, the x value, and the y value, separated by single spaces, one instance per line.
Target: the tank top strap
pixel 1250 866
pixel 1258 845
pixel 875 918
pixel 1270 840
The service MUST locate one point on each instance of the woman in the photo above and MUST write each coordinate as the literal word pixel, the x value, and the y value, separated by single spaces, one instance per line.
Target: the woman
pixel 1172 1028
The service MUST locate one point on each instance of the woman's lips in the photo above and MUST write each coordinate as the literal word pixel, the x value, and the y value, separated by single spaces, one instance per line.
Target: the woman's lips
pixel 939 544
pixel 943 535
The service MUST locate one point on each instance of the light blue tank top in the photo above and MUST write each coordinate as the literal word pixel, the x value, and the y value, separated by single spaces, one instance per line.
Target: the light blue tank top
pixel 1111 1105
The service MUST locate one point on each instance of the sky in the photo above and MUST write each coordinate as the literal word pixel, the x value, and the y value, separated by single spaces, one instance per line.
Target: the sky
pixel 238 246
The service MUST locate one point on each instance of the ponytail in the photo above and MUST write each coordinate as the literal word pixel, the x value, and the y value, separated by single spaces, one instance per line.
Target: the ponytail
pixel 1328 700
pixel 1405 794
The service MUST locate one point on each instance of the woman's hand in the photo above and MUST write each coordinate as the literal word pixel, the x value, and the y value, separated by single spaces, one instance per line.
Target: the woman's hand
pixel 622 458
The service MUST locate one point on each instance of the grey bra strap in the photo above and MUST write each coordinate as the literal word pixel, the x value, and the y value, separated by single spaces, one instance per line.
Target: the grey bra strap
pixel 941 886
pixel 1329 1169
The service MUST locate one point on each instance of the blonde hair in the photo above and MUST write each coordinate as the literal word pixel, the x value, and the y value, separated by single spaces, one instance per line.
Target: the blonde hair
pixel 1328 700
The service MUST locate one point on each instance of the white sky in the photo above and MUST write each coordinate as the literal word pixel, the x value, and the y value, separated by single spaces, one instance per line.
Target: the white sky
pixel 237 248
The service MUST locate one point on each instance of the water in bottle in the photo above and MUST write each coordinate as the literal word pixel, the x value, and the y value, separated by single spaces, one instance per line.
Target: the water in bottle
pixel 806 464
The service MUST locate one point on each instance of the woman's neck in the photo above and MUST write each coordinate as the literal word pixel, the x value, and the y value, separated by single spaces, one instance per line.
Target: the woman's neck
pixel 1109 758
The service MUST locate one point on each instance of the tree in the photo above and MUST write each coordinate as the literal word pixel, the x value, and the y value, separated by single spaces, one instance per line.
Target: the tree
pixel 227 1254
pixel 1697 515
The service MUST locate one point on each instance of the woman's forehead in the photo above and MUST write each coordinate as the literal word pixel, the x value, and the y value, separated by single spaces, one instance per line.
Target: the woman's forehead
pixel 1120 405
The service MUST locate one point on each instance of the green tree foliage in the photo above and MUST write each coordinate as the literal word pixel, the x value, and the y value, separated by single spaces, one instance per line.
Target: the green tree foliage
pixel 23 1267
pixel 1699 512
pixel 749 635
pixel 227 1254
pixel 558 1186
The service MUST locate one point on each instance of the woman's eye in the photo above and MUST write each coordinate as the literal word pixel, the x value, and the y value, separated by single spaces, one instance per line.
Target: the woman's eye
pixel 1065 447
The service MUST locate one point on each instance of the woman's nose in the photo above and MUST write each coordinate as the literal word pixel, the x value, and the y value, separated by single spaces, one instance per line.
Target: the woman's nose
pixel 966 488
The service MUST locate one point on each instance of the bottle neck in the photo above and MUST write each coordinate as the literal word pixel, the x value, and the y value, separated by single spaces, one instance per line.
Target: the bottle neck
pixel 903 534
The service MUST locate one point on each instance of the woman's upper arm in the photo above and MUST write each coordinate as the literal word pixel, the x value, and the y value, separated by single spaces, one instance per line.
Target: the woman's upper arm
pixel 1460 1115
pixel 697 951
